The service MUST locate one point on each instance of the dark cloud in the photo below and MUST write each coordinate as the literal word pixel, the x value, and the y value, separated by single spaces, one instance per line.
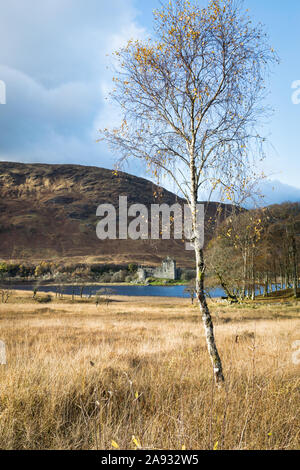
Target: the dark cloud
pixel 54 64
pixel 53 59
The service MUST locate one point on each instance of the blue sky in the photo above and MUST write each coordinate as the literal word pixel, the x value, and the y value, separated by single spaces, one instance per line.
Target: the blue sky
pixel 53 59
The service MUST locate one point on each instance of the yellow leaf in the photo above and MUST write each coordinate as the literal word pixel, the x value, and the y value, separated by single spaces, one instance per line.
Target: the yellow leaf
pixel 136 442
pixel 183 447
pixel 216 445
pixel 114 444
pixel 136 394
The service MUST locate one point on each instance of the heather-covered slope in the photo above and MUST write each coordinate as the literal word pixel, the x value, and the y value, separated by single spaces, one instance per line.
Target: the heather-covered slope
pixel 49 212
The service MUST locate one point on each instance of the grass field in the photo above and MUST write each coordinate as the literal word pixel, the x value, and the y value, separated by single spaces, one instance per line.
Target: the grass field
pixel 85 377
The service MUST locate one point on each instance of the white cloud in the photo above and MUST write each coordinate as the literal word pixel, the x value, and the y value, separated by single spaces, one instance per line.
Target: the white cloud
pixel 53 59
pixel 275 192
pixel 54 64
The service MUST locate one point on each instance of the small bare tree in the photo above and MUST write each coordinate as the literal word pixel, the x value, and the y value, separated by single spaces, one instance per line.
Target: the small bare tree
pixel 191 290
pixel 5 295
pixel 191 99
pixel 103 296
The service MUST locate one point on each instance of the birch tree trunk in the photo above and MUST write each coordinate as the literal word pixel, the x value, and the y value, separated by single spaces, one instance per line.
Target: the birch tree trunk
pixel 281 276
pixel 245 266
pixel 226 290
pixel 294 263
pixel 253 286
pixel 266 288
pixel 200 274
pixel 206 318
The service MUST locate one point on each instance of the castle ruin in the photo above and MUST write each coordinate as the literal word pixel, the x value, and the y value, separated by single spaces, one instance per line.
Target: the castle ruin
pixel 167 270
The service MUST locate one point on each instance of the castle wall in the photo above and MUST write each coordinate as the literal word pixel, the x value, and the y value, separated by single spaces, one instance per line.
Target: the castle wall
pixel 167 270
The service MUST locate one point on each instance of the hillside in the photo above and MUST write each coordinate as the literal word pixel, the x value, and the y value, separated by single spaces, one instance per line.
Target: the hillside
pixel 48 212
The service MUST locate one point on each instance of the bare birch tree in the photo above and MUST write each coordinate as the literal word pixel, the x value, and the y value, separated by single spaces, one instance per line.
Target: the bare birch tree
pixel 191 97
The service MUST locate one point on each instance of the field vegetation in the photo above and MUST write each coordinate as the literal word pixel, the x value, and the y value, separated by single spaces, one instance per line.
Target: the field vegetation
pixel 86 376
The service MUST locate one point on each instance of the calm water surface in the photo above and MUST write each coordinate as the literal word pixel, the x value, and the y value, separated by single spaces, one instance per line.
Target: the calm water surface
pixel 130 291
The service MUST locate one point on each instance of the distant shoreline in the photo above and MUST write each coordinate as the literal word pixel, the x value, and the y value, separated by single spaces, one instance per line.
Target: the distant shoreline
pixel 88 283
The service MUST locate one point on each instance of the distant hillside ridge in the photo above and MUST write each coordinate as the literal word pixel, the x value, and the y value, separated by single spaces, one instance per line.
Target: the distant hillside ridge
pixel 48 212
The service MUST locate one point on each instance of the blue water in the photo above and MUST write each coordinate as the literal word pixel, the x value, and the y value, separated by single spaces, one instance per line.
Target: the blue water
pixel 131 291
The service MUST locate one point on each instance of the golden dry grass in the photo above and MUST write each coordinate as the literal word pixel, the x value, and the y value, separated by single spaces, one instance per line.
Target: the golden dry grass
pixel 78 376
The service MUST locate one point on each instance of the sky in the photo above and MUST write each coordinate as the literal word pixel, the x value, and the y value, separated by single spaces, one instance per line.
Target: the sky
pixel 55 62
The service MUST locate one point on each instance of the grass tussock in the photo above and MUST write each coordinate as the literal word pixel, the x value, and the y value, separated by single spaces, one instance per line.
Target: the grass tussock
pixel 80 377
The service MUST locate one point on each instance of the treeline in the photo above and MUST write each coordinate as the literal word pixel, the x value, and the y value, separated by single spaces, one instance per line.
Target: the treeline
pixel 51 271
pixel 257 251
pixel 76 273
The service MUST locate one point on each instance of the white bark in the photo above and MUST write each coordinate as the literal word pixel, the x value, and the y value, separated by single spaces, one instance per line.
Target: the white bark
pixel 200 274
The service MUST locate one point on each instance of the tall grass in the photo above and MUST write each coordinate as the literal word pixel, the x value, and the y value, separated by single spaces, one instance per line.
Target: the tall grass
pixel 80 377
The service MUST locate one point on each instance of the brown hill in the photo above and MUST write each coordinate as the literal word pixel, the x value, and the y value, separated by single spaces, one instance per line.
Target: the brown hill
pixel 48 212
